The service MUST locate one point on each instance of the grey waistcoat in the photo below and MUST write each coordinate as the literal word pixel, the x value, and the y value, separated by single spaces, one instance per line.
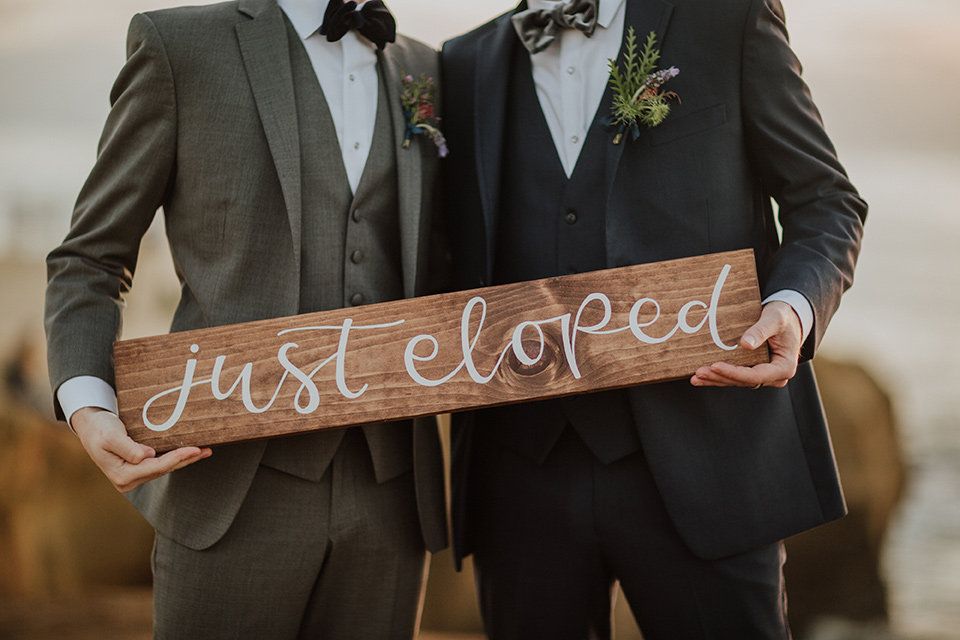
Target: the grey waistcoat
pixel 350 255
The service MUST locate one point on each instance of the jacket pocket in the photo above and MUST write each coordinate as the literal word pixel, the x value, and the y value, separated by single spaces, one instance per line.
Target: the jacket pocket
pixel 688 125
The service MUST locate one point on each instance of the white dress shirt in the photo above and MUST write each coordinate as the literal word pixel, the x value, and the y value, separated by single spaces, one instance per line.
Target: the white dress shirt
pixel 347 72
pixel 571 76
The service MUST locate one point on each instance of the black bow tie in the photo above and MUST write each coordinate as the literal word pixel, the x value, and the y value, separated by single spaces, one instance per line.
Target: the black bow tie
pixel 373 21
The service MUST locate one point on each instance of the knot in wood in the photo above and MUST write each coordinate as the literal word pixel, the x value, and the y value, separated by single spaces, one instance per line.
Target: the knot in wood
pixel 548 356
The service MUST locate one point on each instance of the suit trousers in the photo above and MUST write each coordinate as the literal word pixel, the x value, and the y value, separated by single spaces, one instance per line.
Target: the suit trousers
pixel 551 541
pixel 340 558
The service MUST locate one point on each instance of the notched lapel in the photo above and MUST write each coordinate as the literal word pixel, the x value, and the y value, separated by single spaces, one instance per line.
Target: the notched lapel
pixel 392 61
pixel 265 51
pixel 644 16
pixel 652 14
pixel 494 51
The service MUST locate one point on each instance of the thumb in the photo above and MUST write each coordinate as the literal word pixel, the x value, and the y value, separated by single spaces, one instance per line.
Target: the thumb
pixel 756 335
pixel 131 450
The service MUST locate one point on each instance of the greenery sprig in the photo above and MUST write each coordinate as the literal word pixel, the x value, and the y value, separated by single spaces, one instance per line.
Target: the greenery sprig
pixel 637 96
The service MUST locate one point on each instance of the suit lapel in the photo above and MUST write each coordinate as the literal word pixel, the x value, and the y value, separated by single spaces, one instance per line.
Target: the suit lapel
pixel 392 62
pixel 264 47
pixel 490 105
pixel 644 16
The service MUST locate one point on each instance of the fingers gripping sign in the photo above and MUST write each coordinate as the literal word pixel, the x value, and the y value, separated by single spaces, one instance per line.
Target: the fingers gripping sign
pixel 778 327
pixel 126 463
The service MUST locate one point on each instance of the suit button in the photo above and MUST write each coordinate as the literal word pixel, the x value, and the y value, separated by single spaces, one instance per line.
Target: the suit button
pixel 357 299
pixel 571 217
pixel 356 215
pixel 356 257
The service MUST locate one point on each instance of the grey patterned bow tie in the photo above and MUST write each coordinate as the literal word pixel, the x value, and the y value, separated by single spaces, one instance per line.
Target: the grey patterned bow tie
pixel 537 28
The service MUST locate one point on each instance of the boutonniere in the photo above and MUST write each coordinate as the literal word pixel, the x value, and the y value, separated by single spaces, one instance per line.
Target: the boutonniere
pixel 636 90
pixel 417 100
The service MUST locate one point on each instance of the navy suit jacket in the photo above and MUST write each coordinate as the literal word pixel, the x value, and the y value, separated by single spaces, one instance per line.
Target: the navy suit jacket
pixel 736 468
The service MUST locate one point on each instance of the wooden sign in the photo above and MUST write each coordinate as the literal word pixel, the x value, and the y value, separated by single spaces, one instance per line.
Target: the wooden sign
pixel 423 356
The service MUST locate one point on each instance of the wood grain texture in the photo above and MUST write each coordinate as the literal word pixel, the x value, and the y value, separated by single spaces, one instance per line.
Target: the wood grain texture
pixel 270 367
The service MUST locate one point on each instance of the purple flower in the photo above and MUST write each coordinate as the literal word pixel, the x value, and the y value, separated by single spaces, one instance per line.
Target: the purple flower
pixel 654 80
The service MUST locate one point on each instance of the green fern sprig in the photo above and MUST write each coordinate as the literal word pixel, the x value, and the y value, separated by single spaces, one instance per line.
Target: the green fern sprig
pixel 623 83
pixel 630 60
pixel 650 55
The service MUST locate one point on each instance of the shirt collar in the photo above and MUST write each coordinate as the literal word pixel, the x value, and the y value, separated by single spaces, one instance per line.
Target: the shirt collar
pixel 606 10
pixel 306 16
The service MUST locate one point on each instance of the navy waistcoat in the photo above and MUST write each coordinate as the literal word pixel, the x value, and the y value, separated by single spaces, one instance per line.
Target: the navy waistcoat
pixel 551 225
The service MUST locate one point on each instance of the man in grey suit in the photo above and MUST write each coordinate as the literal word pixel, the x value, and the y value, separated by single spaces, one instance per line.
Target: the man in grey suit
pixel 681 491
pixel 271 134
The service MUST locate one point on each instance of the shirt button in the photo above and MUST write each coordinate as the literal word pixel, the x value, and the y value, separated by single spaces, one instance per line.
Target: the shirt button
pixel 356 215
pixel 574 139
pixel 357 299
pixel 352 77
pixel 356 257
pixel 571 217
pixel 356 145
pixel 571 70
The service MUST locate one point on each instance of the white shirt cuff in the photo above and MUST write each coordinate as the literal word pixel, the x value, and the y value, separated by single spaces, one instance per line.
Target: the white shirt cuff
pixel 86 391
pixel 800 304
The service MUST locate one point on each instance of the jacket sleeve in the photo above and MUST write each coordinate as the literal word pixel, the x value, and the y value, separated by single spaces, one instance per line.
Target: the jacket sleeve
pixel 820 212
pixel 88 274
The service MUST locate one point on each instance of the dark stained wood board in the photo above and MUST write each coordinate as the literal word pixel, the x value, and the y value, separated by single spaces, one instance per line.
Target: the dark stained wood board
pixel 377 357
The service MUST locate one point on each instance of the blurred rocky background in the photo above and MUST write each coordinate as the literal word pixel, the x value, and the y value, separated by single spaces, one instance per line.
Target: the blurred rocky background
pixel 886 75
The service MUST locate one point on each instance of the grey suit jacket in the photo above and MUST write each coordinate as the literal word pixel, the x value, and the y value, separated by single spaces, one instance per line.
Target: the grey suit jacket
pixel 203 123
pixel 736 468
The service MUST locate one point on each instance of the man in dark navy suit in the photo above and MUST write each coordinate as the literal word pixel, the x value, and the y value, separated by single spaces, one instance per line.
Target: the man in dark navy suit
pixel 681 491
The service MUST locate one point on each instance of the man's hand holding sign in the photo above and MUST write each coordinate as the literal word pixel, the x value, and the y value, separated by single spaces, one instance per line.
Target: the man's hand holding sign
pixel 779 329
pixel 125 462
